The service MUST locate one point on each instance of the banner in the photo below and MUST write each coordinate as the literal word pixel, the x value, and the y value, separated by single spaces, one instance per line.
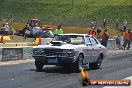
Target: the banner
pixel 12 53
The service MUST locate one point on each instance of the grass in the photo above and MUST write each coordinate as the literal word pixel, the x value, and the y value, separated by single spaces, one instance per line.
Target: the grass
pixel 80 13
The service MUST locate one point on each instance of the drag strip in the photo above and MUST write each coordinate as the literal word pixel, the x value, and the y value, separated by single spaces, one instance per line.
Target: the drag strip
pixel 23 75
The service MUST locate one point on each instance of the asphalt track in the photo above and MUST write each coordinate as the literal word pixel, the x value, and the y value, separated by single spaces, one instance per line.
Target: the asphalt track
pixel 118 65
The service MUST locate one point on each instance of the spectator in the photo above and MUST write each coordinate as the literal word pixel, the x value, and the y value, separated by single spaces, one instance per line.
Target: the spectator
pixel 98 33
pixel 104 24
pixel 125 25
pixel 6 29
pixel 104 37
pixel 127 39
pixel 92 32
pixel 117 24
pixel 58 30
pixel 118 42
pixel 94 24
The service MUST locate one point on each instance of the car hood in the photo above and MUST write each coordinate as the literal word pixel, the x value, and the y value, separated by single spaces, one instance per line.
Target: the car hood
pixel 61 46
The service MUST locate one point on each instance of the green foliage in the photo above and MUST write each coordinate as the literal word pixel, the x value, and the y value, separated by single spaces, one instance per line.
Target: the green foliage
pixel 62 10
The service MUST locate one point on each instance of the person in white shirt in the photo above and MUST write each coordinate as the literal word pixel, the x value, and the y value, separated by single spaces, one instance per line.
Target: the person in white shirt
pixel 6 29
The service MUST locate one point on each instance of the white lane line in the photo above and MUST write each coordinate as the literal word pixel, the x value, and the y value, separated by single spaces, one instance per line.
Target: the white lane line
pixel 130 78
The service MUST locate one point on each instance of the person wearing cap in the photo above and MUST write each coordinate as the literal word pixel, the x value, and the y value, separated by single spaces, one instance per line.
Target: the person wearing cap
pixel 104 38
pixel 58 30
pixel 127 39
pixel 6 29
pixel 92 32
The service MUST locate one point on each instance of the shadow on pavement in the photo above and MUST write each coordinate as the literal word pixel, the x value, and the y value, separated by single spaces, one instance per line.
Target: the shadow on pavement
pixel 60 69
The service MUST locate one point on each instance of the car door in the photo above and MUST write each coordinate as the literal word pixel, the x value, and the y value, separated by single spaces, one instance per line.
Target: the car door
pixel 96 47
pixel 91 49
pixel 88 51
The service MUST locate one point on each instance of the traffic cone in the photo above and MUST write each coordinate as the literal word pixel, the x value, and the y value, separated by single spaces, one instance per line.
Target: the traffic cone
pixel 11 37
pixel 39 43
pixel 1 40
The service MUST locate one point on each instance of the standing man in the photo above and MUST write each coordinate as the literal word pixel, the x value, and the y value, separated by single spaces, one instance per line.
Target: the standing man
pixel 94 24
pixel 104 37
pixel 92 32
pixel 125 24
pixel 98 32
pixel 117 24
pixel 127 39
pixel 104 24
pixel 58 30
pixel 6 29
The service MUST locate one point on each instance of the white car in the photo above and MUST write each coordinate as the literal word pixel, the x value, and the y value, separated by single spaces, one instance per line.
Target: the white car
pixel 70 50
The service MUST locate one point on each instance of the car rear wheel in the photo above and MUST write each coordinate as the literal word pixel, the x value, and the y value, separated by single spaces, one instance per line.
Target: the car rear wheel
pixel 78 65
pixel 39 65
pixel 97 64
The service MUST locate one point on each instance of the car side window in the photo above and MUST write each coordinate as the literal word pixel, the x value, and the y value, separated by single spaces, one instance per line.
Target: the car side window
pixel 87 39
pixel 96 40
pixel 93 41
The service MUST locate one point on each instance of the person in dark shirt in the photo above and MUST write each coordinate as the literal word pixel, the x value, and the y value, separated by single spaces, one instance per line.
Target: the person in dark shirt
pixel 104 38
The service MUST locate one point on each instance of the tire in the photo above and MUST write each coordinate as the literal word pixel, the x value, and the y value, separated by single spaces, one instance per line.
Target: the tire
pixel 39 65
pixel 97 64
pixel 78 65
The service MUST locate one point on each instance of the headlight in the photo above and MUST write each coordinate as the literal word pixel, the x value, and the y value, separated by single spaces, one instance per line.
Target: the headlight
pixel 38 51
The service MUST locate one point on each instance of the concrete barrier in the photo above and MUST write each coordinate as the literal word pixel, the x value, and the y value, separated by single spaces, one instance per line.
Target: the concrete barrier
pixel 27 53
pixel 13 53
pixel 111 44
pixel 0 54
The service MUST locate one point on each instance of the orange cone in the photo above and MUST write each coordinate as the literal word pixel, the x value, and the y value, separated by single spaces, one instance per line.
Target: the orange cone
pixel 1 40
pixel 39 43
pixel 11 37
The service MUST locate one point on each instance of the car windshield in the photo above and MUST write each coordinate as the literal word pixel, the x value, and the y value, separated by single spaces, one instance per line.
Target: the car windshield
pixel 70 39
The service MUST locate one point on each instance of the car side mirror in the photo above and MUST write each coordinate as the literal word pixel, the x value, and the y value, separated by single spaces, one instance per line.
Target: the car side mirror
pixel 89 44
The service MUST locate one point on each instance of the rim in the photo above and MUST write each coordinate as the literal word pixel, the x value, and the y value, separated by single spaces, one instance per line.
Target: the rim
pixel 99 61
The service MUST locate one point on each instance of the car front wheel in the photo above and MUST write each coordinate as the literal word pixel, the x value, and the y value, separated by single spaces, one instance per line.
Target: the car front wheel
pixel 39 65
pixel 97 64
pixel 78 65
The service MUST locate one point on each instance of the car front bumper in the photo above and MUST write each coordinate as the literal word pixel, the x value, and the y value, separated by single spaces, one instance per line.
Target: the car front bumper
pixel 55 60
